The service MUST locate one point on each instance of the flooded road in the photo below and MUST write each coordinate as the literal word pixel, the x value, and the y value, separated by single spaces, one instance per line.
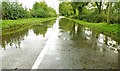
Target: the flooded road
pixel 59 44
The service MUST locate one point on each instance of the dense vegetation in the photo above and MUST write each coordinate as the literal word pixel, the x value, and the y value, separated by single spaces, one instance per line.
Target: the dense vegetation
pixel 100 16
pixel 92 11
pixel 14 10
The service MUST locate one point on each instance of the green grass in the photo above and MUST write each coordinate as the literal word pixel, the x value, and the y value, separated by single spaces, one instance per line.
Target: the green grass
pixel 8 26
pixel 108 29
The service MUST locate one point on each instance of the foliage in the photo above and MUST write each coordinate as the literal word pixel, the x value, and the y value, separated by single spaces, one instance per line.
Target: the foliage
pixel 93 11
pixel 79 6
pixel 14 10
pixel 116 12
pixel 41 10
pixel 65 9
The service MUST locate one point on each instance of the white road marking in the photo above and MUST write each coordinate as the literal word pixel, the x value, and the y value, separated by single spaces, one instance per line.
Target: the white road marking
pixel 50 41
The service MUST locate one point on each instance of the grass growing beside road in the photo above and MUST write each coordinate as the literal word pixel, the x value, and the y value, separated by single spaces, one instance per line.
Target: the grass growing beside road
pixel 12 25
pixel 108 29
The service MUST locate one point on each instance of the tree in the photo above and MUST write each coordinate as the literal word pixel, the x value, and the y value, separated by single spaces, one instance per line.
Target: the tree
pixel 65 9
pixel 12 10
pixel 41 10
pixel 99 6
pixel 79 6
pixel 92 11
pixel 109 12
pixel 116 11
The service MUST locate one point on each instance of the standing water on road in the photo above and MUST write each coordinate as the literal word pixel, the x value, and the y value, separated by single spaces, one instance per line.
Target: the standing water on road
pixel 74 47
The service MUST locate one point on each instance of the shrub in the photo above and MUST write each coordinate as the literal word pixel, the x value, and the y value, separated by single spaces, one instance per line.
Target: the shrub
pixel 12 10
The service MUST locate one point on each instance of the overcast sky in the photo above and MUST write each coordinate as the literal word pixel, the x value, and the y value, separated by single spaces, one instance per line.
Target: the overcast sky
pixel 29 3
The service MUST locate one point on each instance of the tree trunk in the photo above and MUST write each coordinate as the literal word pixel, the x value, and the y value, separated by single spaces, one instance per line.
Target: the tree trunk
pixel 109 12
pixel 107 8
pixel 74 10
pixel 99 6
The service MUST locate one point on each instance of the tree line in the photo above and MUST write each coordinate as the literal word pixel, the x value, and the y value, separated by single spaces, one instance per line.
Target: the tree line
pixel 92 11
pixel 14 10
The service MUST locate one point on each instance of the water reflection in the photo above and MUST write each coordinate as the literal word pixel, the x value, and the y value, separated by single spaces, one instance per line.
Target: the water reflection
pixel 41 29
pixel 81 36
pixel 85 37
pixel 15 39
pixel 87 33
pixel 112 44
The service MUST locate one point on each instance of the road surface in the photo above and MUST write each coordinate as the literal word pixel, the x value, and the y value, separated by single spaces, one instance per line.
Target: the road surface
pixel 58 46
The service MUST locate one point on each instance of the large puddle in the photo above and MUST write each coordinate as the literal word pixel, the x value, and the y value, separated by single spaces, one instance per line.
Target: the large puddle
pixel 80 36
pixel 27 36
pixel 77 32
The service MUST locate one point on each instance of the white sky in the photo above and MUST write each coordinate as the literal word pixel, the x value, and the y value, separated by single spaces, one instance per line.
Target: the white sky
pixel 29 3
pixel 52 3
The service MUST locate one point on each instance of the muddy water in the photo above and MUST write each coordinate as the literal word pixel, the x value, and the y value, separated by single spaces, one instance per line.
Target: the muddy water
pixel 78 45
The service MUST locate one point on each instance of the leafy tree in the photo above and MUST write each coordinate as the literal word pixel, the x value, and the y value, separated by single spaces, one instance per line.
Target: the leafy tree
pixel 92 11
pixel 79 6
pixel 65 9
pixel 41 10
pixel 99 6
pixel 116 11
pixel 12 10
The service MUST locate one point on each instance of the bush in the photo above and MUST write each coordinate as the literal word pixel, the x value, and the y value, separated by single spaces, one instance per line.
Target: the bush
pixel 101 18
pixel 115 18
pixel 12 10
pixel 51 14
pixel 92 17
pixel 41 10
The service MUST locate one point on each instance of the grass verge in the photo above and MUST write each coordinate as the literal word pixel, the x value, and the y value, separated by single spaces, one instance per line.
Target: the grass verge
pixel 9 26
